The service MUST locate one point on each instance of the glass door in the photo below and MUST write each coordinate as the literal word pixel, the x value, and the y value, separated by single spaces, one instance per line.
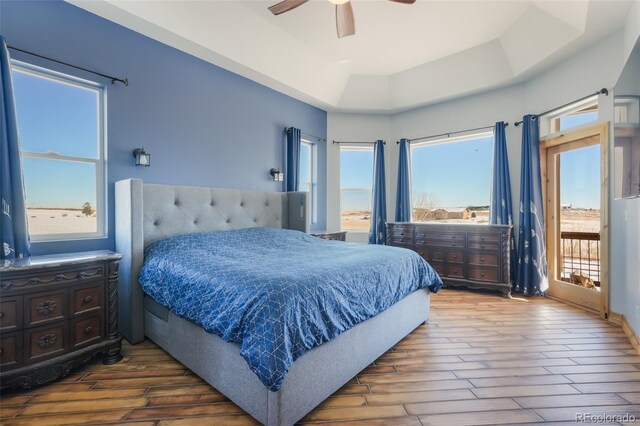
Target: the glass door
pixel 574 221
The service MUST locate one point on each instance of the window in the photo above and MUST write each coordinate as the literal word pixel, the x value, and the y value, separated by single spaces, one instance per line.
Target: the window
pixel 574 115
pixel 451 179
pixel 309 175
pixel 60 120
pixel 356 182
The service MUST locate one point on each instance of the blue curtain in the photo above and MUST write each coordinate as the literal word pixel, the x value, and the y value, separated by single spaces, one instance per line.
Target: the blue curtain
pixel 403 190
pixel 532 256
pixel 293 159
pixel 378 230
pixel 500 209
pixel 14 232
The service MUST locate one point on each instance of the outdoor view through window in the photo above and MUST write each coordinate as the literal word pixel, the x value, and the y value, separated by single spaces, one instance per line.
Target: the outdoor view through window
pixel 59 127
pixel 451 179
pixel 308 181
pixel 356 181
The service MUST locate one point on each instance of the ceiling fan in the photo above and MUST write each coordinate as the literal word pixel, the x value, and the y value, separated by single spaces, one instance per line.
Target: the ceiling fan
pixel 345 23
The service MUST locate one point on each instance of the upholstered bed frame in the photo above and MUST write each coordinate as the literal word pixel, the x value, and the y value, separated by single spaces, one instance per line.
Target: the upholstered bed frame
pixel 146 213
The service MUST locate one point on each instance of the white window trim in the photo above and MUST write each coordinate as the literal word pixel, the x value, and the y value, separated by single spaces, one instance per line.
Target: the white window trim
pixel 353 147
pixel 100 162
pixel 313 185
pixel 458 138
pixel 547 121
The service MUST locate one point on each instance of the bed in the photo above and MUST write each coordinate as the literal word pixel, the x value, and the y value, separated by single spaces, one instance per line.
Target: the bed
pixel 320 347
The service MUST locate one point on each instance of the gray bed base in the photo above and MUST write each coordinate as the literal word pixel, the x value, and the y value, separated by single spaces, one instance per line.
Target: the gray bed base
pixel 312 378
pixel 146 213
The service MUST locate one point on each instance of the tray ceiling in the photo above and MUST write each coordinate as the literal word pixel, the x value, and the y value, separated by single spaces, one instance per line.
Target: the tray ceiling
pixel 401 57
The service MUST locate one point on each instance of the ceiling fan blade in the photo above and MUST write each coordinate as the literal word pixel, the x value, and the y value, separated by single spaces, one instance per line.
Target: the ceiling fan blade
pixel 404 1
pixel 345 24
pixel 286 5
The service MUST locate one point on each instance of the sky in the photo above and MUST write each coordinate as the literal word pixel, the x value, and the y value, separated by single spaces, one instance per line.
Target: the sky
pixel 356 175
pixel 580 169
pixel 458 174
pixel 61 118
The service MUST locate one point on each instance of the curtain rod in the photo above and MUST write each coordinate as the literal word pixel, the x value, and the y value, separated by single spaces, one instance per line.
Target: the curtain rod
pixel 602 91
pixel 452 133
pixel 357 142
pixel 113 79
pixel 307 134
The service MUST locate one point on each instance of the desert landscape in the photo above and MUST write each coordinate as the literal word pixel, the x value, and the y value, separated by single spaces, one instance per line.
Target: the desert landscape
pixel 573 220
pixel 52 221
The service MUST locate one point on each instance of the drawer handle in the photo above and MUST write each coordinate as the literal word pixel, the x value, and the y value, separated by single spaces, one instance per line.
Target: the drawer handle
pixel 47 340
pixel 88 330
pixel 88 299
pixel 482 274
pixel 482 259
pixel 455 256
pixel 46 307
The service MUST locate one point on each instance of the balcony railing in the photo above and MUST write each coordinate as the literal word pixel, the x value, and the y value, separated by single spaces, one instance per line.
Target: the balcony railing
pixel 580 253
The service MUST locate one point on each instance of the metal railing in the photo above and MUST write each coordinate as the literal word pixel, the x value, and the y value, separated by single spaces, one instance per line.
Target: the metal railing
pixel 580 253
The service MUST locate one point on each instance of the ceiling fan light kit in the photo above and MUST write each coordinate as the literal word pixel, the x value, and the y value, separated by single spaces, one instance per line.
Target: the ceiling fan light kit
pixel 345 22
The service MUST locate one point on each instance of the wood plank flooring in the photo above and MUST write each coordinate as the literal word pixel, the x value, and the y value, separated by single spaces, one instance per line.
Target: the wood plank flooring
pixel 481 359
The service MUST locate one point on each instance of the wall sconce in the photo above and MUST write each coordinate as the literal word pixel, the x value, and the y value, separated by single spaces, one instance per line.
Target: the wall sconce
pixel 143 158
pixel 276 175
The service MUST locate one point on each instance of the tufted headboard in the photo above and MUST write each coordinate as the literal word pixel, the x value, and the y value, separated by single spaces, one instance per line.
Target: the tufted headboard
pixel 146 213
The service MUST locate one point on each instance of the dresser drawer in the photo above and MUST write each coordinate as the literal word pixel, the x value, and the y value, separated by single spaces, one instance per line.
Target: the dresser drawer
pixel 10 350
pixel 87 299
pixel 459 244
pixel 402 231
pixel 455 257
pixel 438 266
pixel 53 278
pixel 47 341
pixel 483 274
pixel 401 240
pixel 430 254
pixel 483 237
pixel 483 259
pixel 42 308
pixel 10 313
pixel 455 270
pixel 86 330
pixel 478 245
pixel 445 237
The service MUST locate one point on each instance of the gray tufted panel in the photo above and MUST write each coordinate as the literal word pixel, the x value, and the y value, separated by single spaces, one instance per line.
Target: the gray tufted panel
pixel 174 210
pixel 146 213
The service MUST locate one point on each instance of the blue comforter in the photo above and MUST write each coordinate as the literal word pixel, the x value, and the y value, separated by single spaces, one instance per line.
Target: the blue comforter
pixel 276 292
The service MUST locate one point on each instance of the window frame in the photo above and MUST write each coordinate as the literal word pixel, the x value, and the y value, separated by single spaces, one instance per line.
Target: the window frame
pixel 364 148
pixel 461 137
pixel 550 122
pixel 313 172
pixel 99 162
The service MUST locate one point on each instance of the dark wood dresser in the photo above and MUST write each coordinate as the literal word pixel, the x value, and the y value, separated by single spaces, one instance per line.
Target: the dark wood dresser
pixel 474 256
pixel 57 312
pixel 337 235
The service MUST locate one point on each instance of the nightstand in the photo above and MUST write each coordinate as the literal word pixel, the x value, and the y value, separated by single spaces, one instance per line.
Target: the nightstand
pixel 338 235
pixel 57 312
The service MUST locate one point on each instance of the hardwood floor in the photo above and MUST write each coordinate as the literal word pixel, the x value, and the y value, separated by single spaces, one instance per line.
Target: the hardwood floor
pixel 481 359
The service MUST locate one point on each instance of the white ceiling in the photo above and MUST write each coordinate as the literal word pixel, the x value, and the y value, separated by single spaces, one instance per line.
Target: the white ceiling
pixel 402 56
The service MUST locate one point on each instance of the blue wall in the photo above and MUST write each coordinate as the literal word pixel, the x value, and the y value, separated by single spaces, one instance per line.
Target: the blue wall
pixel 203 125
